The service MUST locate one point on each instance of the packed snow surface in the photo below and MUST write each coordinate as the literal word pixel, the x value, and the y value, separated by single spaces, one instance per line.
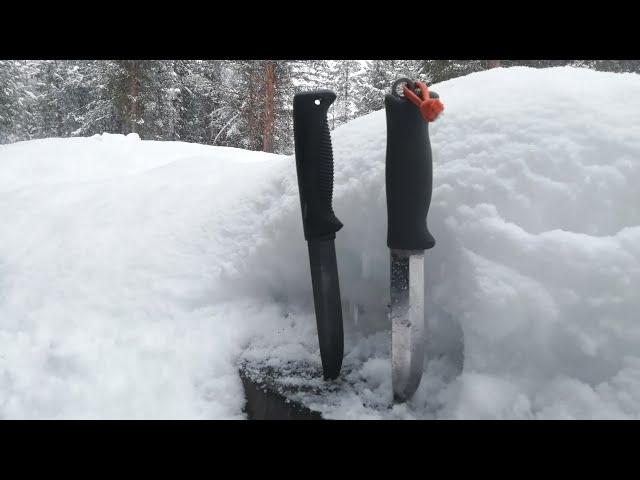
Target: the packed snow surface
pixel 135 275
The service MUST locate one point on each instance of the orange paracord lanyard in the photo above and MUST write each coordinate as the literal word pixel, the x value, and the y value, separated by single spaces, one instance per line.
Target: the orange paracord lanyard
pixel 430 108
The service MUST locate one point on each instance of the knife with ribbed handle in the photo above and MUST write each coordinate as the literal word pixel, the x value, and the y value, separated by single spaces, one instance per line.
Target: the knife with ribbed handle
pixel 314 167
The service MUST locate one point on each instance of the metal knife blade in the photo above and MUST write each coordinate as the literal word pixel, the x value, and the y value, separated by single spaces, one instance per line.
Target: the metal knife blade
pixel 407 321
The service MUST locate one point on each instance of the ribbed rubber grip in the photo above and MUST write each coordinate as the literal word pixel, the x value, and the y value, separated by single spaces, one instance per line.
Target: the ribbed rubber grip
pixel 314 163
pixel 409 176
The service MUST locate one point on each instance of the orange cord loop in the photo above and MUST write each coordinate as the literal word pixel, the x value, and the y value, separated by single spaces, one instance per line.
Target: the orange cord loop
pixel 430 108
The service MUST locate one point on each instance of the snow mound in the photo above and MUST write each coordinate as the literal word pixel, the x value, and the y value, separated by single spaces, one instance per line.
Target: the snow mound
pixel 135 275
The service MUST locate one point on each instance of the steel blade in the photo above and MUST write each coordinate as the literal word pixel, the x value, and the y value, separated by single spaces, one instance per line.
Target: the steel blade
pixel 407 321
pixel 326 299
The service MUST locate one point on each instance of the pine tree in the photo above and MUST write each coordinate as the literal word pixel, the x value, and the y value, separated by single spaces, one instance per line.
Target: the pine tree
pixel 261 92
pixel 200 107
pixel 47 109
pixel 98 112
pixel 344 76
pixel 161 97
pixel 436 71
pixel 58 90
pixel 377 79
pixel 17 100
pixel 283 107
pixel 9 107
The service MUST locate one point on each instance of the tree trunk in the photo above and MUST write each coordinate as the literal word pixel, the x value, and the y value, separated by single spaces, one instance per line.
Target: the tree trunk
pixel 133 92
pixel 59 107
pixel 269 101
pixel 251 109
pixel 345 97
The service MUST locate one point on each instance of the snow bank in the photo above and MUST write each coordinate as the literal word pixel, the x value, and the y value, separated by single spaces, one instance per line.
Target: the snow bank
pixel 134 275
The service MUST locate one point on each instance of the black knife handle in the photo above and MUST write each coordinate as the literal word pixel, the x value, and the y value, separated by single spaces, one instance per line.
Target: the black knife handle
pixel 314 163
pixel 409 175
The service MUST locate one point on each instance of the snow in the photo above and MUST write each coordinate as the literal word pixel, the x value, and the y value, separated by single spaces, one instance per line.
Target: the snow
pixel 136 275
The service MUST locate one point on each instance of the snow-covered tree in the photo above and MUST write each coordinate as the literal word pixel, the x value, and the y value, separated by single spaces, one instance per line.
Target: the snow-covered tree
pixel 199 100
pixel 261 92
pixel 377 80
pixel 9 107
pixel 345 75
pixel 16 101
pixel 435 71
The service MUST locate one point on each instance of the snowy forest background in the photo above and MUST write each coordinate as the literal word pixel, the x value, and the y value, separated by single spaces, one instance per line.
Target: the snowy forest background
pixel 237 103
